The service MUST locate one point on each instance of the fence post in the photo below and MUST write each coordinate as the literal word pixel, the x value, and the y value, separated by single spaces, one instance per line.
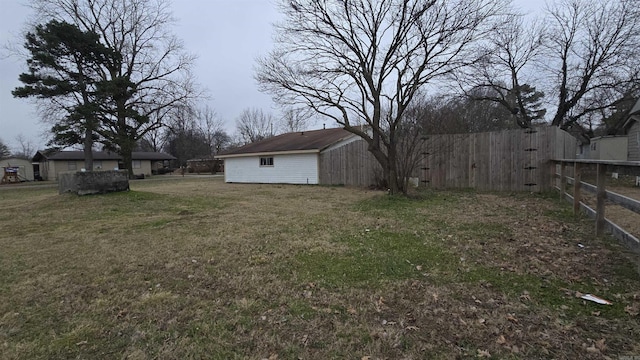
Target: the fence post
pixel 577 178
pixel 600 197
pixel 563 179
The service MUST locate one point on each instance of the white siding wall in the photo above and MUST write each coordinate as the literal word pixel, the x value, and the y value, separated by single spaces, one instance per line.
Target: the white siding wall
pixel 286 169
pixel 609 148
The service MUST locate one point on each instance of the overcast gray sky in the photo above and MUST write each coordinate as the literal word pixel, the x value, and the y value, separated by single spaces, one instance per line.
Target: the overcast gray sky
pixel 226 35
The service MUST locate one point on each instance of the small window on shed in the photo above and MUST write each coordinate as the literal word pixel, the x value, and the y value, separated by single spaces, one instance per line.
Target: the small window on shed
pixel 136 164
pixel 593 146
pixel 266 161
pixel 71 165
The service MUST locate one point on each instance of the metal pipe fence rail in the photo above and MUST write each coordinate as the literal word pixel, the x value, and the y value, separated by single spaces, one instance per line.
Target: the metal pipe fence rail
pixel 602 194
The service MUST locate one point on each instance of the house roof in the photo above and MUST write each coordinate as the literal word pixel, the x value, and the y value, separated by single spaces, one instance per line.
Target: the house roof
pixel 635 109
pixel 99 155
pixel 302 141
pixel 634 115
pixel 605 137
pixel 11 159
pixel 204 158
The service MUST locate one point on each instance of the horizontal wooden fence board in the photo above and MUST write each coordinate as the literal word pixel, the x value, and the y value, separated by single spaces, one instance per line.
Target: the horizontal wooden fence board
pixel 630 241
pixel 624 201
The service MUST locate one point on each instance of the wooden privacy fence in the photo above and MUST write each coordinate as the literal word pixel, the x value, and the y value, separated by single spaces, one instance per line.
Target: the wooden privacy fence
pixel 512 160
pixel 351 164
pixel 602 166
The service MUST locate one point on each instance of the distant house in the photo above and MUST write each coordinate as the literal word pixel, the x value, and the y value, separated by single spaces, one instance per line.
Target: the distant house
pixel 22 168
pixel 632 129
pixel 608 148
pixel 328 156
pixel 624 146
pixel 50 164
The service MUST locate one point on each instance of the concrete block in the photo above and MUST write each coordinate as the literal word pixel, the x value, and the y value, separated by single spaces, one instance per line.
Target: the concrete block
pixel 93 182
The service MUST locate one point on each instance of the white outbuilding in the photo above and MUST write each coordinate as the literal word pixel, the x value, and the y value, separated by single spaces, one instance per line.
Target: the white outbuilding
pixel 327 156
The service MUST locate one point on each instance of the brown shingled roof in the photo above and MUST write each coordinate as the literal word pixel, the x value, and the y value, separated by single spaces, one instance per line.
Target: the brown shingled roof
pixel 636 108
pixel 633 116
pixel 99 155
pixel 296 141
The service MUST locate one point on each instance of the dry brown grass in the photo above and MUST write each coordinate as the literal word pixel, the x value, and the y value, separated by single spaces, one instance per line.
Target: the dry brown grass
pixel 194 268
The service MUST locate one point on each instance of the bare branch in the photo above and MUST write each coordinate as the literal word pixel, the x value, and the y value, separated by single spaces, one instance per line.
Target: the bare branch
pixel 361 62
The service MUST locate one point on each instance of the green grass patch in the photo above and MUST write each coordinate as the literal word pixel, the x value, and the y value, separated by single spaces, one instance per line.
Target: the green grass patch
pixel 400 205
pixel 374 257
pixel 300 309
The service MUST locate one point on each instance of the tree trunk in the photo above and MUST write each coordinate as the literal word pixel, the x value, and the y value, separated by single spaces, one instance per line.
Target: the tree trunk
pixel 389 165
pixel 392 179
pixel 382 159
pixel 125 146
pixel 395 184
pixel 126 150
pixel 123 138
pixel 88 148
pixel 128 162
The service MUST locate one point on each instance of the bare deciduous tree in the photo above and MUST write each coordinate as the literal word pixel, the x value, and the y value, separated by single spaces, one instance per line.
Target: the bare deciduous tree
pixel 183 140
pixel 362 62
pixel 25 149
pixel 294 120
pixel 151 76
pixel 454 114
pixel 4 150
pixel 153 140
pixel 578 62
pixel 212 129
pixel 591 56
pixel 254 124
pixel 505 74
pixel 194 133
